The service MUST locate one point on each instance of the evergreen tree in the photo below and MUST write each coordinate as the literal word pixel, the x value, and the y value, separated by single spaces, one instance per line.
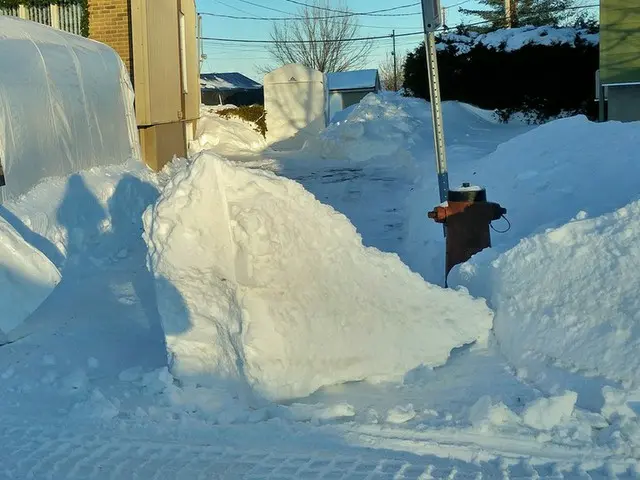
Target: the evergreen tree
pixel 523 12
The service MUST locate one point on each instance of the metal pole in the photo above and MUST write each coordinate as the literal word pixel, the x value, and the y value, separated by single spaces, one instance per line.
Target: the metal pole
pixel 200 42
pixel 436 115
pixel 395 64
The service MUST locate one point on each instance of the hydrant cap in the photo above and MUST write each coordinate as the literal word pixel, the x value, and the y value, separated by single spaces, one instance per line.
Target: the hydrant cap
pixel 467 193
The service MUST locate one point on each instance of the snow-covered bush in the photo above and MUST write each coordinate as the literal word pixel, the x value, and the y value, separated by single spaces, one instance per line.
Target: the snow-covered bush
pixel 544 72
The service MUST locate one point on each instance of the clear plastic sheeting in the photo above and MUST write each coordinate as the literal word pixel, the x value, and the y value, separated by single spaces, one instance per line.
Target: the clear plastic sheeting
pixel 66 104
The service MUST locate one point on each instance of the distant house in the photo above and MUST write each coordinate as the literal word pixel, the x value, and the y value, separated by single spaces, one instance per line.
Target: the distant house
pixel 348 88
pixel 620 60
pixel 230 89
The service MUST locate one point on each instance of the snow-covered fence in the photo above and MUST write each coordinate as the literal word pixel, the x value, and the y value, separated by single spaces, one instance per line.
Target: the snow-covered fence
pixel 67 17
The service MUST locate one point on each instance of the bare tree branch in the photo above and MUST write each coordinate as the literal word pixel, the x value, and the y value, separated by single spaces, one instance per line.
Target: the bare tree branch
pixel 305 40
pixel 386 71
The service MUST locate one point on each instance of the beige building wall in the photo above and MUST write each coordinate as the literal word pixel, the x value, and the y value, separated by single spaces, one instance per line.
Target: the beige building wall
pixel 157 40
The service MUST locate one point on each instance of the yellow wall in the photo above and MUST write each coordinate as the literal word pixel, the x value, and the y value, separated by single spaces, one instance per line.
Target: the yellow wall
pixel 619 41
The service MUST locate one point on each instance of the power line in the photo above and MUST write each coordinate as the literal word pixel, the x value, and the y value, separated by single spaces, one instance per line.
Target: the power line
pixel 337 40
pixel 358 39
pixel 265 7
pixel 294 16
pixel 341 14
pixel 373 12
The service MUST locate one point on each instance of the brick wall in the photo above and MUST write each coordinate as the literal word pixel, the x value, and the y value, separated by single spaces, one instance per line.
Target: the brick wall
pixel 109 22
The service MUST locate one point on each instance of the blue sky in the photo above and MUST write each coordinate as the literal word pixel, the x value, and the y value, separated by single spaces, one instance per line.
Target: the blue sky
pixel 243 58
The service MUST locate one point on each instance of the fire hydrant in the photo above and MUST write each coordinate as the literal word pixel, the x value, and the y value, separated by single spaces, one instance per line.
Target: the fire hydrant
pixel 467 217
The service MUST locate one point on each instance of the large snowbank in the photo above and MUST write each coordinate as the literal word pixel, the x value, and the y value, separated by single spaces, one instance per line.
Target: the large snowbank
pixel 515 38
pixel 258 283
pixel 27 277
pixel 563 280
pixel 69 225
pixel 379 127
pixel 228 136
pixel 571 295
pixel 66 104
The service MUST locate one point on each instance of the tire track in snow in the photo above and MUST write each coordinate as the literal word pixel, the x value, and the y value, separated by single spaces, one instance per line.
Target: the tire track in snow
pixel 47 452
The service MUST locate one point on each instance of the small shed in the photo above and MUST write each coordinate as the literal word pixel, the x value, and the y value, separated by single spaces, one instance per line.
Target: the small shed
pixel 231 88
pixel 294 102
pixel 348 88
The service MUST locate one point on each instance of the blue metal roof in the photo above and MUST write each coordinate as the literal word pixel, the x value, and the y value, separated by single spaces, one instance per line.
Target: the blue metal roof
pixel 355 80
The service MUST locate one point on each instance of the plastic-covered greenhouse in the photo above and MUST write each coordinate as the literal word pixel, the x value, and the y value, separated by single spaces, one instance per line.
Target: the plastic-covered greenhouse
pixel 66 104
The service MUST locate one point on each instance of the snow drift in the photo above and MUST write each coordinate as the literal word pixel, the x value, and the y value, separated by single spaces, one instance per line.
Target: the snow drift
pixel 27 277
pixel 260 284
pixel 563 280
pixel 227 136
pixel 569 296
pixel 379 127
pixel 78 223
pixel 66 104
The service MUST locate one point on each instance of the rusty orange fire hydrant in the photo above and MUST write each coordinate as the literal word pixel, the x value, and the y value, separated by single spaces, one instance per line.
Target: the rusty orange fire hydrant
pixel 467 217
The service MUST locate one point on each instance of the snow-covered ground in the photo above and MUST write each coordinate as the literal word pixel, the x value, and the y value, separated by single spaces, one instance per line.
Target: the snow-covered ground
pixel 218 321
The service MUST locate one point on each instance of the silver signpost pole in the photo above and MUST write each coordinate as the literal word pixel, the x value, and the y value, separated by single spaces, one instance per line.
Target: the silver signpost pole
pixel 431 12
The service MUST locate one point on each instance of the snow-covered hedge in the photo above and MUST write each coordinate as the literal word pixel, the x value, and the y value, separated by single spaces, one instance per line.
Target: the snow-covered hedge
pixel 513 39
pixel 544 71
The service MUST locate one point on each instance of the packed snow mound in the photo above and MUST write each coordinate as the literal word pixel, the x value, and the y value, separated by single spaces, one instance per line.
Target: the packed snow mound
pixel 379 127
pixel 516 38
pixel 562 281
pixel 550 174
pixel 570 296
pixel 227 136
pixel 27 277
pixel 260 284
pixel 95 213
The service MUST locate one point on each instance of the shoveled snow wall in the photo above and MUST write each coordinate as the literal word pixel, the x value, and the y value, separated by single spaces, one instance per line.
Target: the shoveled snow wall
pixel 66 104
pixel 570 296
pixel 260 285
pixel 563 280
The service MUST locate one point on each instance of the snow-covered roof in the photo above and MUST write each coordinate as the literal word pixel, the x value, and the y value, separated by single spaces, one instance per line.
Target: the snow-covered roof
pixel 355 80
pixel 227 81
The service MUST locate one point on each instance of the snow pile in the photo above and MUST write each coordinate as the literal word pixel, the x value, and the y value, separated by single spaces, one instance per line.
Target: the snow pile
pixel 81 222
pixel 516 38
pixel 547 413
pixel 563 280
pixel 27 277
pixel 570 296
pixel 545 178
pixel 379 126
pixel 543 414
pixel 228 136
pixel 258 283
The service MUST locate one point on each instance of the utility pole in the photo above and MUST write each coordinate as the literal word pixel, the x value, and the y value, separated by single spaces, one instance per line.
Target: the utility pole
pixel 508 14
pixel 395 63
